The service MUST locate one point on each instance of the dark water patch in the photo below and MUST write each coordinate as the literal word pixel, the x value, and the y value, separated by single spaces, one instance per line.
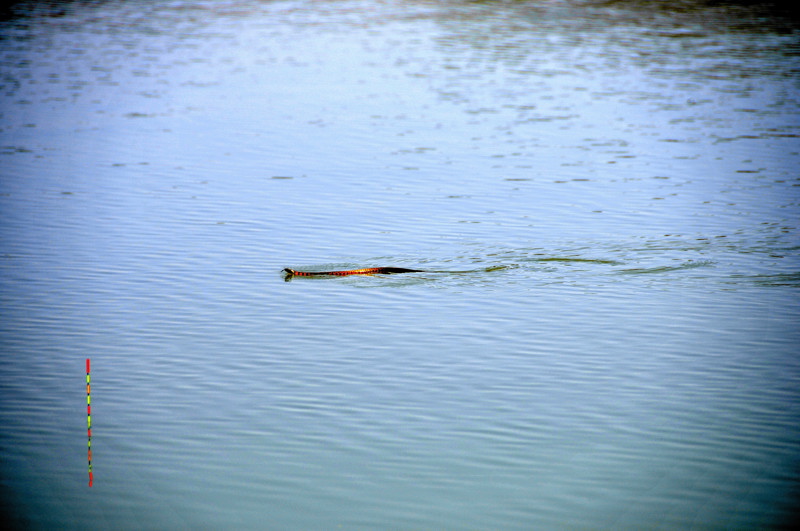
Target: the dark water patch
pixel 791 280
pixel 577 260
pixel 10 150
pixel 666 269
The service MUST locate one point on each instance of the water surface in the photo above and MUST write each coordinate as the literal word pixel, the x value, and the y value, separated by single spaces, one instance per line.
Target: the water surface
pixel 606 191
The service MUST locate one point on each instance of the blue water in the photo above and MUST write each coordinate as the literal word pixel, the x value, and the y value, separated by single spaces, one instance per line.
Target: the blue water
pixel 604 195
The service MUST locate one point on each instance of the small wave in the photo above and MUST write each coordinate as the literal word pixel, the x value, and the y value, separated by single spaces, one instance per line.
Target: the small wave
pixel 579 260
pixel 779 279
pixel 666 269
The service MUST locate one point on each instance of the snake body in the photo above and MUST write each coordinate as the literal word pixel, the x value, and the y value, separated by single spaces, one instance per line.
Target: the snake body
pixel 366 271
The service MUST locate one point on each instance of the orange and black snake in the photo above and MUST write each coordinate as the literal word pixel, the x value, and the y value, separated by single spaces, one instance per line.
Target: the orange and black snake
pixel 366 271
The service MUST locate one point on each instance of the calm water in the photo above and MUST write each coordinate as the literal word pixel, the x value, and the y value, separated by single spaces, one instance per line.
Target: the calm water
pixel 608 191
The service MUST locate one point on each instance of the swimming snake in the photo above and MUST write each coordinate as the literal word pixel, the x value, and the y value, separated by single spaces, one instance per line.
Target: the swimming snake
pixel 366 271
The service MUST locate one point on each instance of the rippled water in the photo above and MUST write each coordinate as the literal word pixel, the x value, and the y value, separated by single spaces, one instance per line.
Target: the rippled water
pixel 604 196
